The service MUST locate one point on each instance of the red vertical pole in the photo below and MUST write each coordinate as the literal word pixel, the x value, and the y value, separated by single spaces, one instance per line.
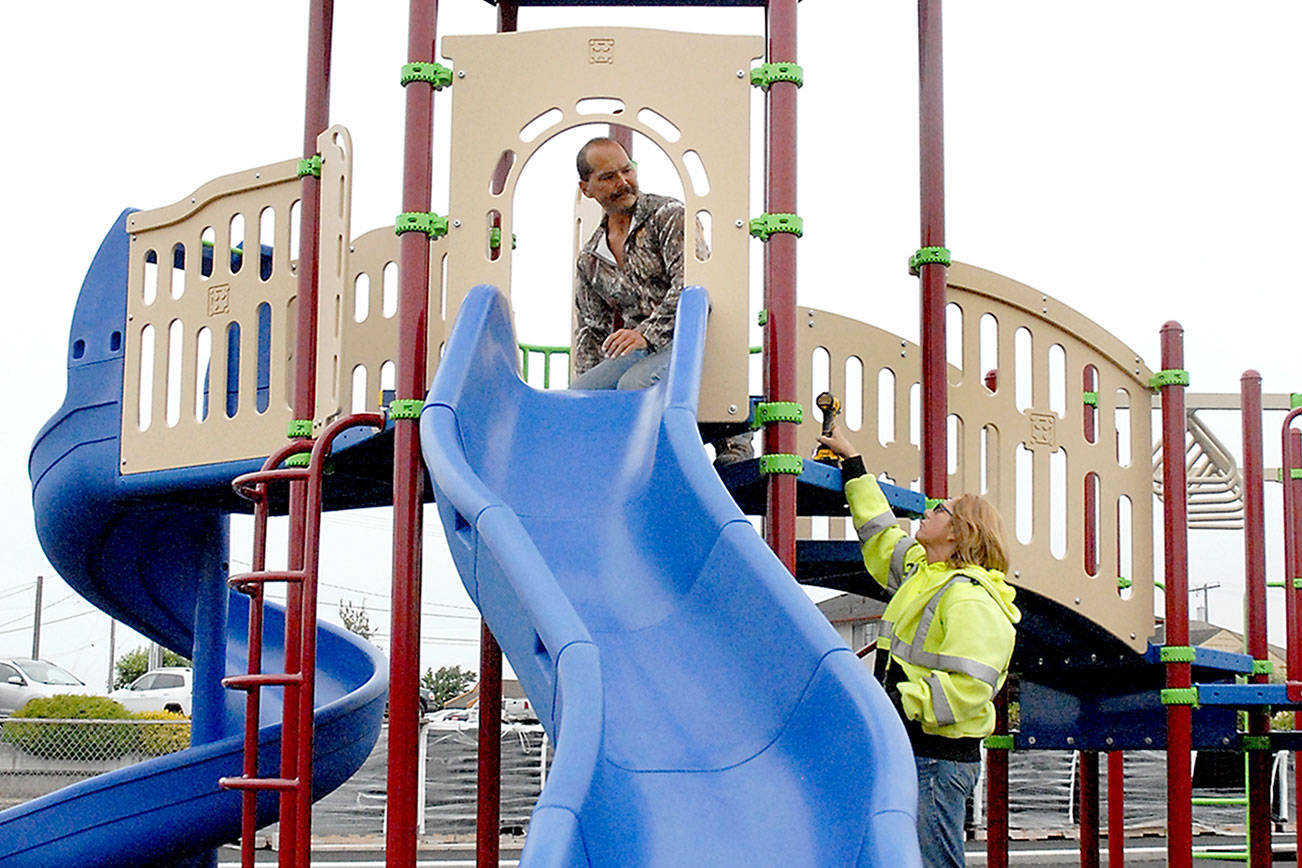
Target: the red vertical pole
pixel 1116 809
pixel 408 476
pixel 1254 556
pixel 1088 775
pixel 935 476
pixel 1292 460
pixel 780 278
pixel 316 117
pixel 1089 423
pixel 997 790
pixel 1179 718
pixel 489 793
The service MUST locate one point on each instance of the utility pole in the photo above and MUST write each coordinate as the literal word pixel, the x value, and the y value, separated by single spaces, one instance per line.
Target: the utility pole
pixel 1204 589
pixel 36 624
pixel 113 641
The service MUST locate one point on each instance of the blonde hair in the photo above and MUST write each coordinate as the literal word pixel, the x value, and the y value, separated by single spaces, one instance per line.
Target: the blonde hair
pixel 978 534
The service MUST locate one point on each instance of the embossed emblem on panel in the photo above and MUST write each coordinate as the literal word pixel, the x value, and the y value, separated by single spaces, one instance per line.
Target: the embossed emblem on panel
pixel 1044 429
pixel 219 299
pixel 601 50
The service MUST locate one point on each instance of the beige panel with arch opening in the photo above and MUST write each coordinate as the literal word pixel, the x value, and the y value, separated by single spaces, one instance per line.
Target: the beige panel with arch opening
pixel 1023 443
pixel 688 93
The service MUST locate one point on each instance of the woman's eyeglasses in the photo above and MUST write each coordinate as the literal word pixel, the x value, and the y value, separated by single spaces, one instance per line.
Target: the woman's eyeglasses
pixel 940 507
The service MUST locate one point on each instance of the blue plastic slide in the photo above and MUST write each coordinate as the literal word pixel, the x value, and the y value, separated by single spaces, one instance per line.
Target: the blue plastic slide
pixel 704 711
pixel 151 550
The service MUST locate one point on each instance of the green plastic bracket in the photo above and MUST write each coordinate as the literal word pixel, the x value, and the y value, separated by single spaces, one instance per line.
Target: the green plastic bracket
pixel 766 74
pixel 1169 377
pixel 299 428
pixel 998 742
pixel 310 166
pixel 495 238
pixel 764 316
pixel 299 459
pixel 781 462
pixel 1262 667
pixel 765 225
pixel 419 221
pixel 405 408
pixel 1180 696
pixel 1090 399
pixel 1256 742
pixel 1294 473
pixel 1176 654
pixel 434 74
pixel 777 411
pixel 928 256
pixel 1297 584
pixel 1294 400
pixel 1123 583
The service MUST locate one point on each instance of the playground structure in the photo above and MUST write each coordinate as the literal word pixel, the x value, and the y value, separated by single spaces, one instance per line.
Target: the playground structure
pixel 162 414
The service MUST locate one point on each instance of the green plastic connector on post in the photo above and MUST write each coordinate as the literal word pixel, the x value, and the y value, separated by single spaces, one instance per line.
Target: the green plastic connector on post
pixel 405 408
pixel 310 166
pixel 1169 377
pixel 435 74
pixel 1297 584
pixel 419 221
pixel 998 742
pixel 1294 400
pixel 928 256
pixel 1293 473
pixel 1176 654
pixel 1123 583
pixel 299 459
pixel 1262 667
pixel 1180 696
pixel 1089 399
pixel 781 462
pixel 765 225
pixel 1256 742
pixel 777 411
pixel 766 74
pixel 299 428
pixel 495 238
pixel 764 316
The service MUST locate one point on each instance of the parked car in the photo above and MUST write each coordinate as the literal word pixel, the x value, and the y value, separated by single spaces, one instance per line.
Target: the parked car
pixel 165 689
pixel 23 679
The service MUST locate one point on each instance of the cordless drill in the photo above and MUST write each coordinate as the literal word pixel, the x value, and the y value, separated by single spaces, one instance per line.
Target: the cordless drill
pixel 830 407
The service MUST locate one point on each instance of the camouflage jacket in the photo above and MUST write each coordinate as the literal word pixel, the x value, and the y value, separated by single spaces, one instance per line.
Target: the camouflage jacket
pixel 643 292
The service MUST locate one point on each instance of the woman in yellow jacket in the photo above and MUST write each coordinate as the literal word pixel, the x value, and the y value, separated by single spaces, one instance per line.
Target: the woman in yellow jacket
pixel 946 638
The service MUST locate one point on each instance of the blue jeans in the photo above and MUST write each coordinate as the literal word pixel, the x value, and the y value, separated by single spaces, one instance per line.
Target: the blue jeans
pixel 634 370
pixel 943 790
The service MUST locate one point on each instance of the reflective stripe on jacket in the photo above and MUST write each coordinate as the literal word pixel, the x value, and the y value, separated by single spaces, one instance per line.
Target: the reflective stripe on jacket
pixel 949 629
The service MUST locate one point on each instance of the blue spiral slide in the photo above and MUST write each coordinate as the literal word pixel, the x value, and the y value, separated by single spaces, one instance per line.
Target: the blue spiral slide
pixel 151 550
pixel 703 710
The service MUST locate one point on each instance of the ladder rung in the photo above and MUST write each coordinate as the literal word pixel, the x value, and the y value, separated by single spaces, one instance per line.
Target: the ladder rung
pixel 245 783
pixel 265 679
pixel 241 580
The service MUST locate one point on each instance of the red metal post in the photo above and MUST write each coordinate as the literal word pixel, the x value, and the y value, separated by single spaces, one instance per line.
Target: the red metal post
pixel 1116 809
pixel 408 475
pixel 997 790
pixel 1088 808
pixel 488 824
pixel 935 476
pixel 1292 461
pixel 1089 423
pixel 1179 718
pixel 780 278
pixel 1254 556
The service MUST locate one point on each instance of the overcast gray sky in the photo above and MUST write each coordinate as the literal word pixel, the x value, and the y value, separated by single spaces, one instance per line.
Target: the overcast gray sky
pixel 1136 160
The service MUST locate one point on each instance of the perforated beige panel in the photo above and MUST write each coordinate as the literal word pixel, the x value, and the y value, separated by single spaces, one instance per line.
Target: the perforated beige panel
pixel 187 326
pixel 700 84
pixel 1016 455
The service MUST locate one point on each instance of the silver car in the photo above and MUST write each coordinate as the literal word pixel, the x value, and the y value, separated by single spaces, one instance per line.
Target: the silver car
pixel 22 679
pixel 165 689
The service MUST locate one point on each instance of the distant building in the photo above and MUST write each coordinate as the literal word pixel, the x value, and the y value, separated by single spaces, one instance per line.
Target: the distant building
pixel 857 619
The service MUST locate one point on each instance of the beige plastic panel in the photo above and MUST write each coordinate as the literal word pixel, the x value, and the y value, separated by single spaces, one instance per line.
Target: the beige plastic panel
pixel 699 83
pixel 216 304
pixel 1051 560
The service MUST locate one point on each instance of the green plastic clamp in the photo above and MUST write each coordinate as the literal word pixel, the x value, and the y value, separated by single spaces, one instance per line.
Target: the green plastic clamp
pixel 435 74
pixel 299 459
pixel 764 316
pixel 1169 377
pixel 1180 696
pixel 781 462
pixel 1293 473
pixel 420 221
pixel 1090 399
pixel 998 742
pixel 765 225
pixel 928 256
pixel 768 412
pixel 1262 667
pixel 1256 742
pixel 405 408
pixel 766 74
pixel 1294 400
pixel 1123 583
pixel 1176 654
pixel 299 428
pixel 310 166
pixel 495 238
pixel 1297 584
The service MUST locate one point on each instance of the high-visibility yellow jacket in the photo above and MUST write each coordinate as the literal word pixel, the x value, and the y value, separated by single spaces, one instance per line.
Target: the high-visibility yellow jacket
pixel 950 630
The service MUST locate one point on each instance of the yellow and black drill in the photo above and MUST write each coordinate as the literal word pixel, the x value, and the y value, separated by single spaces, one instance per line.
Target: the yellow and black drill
pixel 830 407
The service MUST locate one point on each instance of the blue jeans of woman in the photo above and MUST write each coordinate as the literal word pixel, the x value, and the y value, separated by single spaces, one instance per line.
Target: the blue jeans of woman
pixel 633 370
pixel 943 790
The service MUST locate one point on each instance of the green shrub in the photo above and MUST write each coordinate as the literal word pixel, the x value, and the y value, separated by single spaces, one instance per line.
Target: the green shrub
pixel 72 741
pixel 160 738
